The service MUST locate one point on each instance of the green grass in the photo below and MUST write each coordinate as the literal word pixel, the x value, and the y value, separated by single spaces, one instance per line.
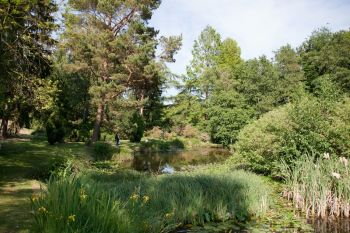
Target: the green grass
pixel 128 201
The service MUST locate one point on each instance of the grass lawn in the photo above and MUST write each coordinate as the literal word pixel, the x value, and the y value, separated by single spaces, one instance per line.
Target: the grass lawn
pixel 20 160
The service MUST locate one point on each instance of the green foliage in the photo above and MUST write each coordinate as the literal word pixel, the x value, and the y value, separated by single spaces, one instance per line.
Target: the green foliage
pixel 201 74
pixel 229 57
pixel 133 202
pixel 56 165
pixel 227 115
pixel 259 83
pixel 116 52
pixel 319 186
pixel 310 126
pixel 137 127
pixel 327 53
pixel 102 151
pixel 24 58
pixel 154 145
pixel 55 130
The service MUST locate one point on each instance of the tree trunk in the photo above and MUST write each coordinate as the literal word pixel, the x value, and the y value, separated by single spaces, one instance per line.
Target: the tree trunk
pixel 4 123
pixel 98 122
pixel 4 127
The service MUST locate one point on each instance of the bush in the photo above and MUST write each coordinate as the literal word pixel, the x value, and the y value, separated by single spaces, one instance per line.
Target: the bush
pixel 54 130
pixel 190 132
pixel 310 126
pixel 102 151
pixel 44 172
pixel 137 127
pixel 155 133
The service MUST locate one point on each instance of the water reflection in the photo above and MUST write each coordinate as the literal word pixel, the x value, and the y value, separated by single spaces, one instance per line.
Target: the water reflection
pixel 334 226
pixel 154 161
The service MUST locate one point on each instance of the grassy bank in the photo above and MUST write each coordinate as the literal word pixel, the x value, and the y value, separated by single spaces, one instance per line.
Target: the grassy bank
pixel 127 201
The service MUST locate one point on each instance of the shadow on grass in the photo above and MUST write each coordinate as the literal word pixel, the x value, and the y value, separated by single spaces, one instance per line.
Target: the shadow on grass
pixel 25 159
pixel 15 213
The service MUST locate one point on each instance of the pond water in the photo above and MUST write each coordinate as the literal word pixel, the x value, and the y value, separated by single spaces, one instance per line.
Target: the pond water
pixel 155 161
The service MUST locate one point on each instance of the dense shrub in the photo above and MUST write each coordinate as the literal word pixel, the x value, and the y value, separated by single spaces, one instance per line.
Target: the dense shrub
pixel 102 151
pixel 155 133
pixel 55 130
pixel 137 127
pixel 310 126
pixel 190 132
pixel 44 172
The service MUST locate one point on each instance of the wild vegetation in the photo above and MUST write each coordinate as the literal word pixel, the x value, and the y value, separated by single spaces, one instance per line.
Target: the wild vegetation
pixel 134 202
pixel 87 75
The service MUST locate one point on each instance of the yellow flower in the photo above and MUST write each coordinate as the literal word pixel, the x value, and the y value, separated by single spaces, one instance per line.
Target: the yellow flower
pixel 145 199
pixel 134 196
pixel 34 197
pixel 83 197
pixel 42 210
pixel 169 215
pixel 71 218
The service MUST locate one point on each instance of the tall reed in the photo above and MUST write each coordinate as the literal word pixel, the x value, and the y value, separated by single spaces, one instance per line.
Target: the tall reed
pixel 319 186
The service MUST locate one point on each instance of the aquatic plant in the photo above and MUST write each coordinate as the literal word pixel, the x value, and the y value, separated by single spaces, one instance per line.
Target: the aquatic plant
pixel 319 186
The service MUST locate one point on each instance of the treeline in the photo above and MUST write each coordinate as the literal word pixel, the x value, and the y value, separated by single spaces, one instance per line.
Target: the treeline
pixel 270 109
pixel 104 74
pixel 106 71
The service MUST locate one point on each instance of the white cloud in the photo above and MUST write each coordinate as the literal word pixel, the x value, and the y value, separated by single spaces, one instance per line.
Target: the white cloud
pixel 259 26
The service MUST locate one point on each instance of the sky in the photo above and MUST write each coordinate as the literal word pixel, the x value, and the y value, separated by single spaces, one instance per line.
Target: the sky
pixel 259 26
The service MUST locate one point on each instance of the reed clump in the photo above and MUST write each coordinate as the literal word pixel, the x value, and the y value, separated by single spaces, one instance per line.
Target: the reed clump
pixel 319 186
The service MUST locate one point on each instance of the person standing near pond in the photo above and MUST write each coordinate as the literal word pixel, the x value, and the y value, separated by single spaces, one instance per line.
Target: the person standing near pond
pixel 117 140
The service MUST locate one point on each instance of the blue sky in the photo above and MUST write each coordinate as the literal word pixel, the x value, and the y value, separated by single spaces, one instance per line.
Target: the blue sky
pixel 259 26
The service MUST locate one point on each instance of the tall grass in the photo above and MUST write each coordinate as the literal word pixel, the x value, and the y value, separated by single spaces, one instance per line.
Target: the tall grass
pixel 133 202
pixel 319 186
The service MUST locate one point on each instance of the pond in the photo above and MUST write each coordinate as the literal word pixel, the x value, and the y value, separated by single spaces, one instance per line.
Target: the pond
pixel 155 161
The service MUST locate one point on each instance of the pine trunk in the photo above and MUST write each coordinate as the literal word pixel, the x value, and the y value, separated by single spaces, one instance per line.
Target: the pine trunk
pixel 98 122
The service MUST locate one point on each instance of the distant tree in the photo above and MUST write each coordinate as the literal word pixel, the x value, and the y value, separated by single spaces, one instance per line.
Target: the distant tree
pixel 291 76
pixel 229 56
pixel 259 83
pixel 201 73
pixel 326 54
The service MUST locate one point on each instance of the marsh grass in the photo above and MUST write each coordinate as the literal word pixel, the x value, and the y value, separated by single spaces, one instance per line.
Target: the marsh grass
pixel 319 186
pixel 128 201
